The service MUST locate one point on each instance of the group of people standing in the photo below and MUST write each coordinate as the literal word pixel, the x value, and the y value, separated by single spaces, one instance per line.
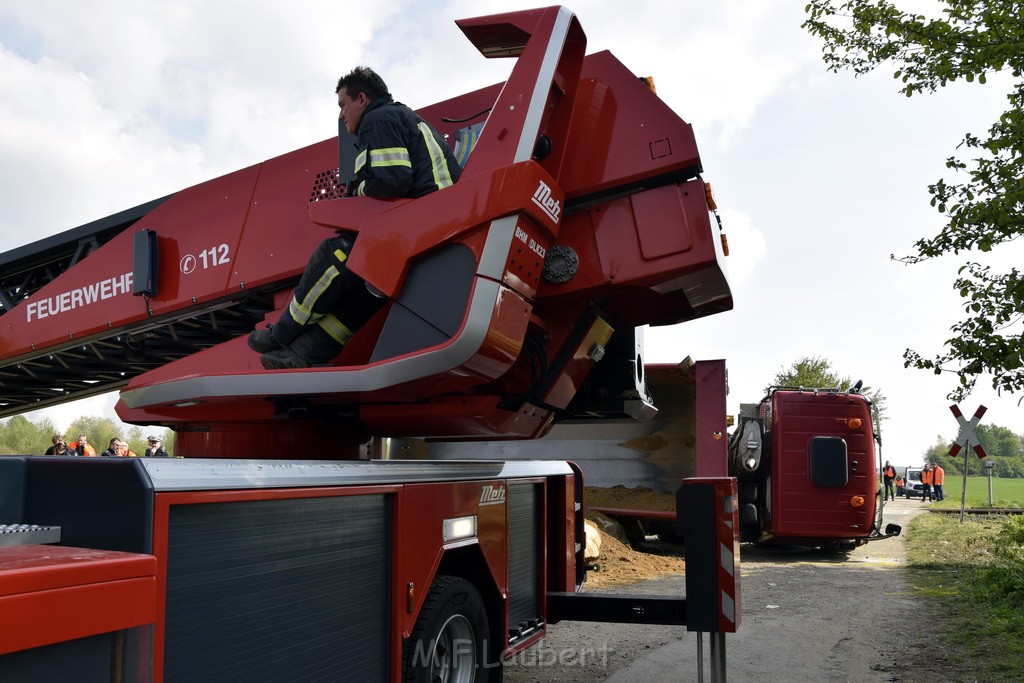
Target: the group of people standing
pixel 932 477
pixel 117 448
pixel 80 447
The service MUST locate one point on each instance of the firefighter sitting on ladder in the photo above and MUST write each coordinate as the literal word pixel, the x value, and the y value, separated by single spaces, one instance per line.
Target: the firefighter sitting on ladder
pixel 399 156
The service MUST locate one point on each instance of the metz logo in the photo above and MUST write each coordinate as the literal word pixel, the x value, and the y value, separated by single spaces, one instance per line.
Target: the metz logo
pixel 492 496
pixel 551 206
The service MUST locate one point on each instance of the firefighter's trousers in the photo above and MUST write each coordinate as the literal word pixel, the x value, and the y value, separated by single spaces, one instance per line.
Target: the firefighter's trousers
pixel 328 306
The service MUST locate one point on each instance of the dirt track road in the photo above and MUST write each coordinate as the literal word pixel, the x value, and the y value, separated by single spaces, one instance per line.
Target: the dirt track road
pixel 806 617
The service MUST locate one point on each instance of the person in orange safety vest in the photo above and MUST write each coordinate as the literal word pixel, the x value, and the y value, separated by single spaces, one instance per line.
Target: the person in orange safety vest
pixel 938 475
pixel 899 486
pixel 82 447
pixel 926 483
pixel 888 476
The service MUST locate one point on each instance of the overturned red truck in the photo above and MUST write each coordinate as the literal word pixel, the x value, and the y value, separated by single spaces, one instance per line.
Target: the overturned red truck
pixel 580 214
pixel 807 463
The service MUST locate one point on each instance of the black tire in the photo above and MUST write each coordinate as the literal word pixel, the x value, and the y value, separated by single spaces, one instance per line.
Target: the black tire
pixel 449 643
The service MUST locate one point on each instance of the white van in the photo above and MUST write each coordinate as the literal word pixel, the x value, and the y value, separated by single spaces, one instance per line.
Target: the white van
pixel 912 483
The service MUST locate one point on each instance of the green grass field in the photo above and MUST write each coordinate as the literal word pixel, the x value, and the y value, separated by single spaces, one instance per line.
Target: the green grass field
pixel 1006 493
pixel 972 575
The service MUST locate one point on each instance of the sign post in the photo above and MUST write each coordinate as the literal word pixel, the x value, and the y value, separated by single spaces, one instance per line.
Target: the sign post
pixel 989 466
pixel 964 440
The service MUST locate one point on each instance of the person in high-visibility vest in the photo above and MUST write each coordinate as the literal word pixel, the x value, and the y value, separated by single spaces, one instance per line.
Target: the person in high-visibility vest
pixel 400 156
pixel 899 486
pixel 938 474
pixel 82 447
pixel 888 476
pixel 926 483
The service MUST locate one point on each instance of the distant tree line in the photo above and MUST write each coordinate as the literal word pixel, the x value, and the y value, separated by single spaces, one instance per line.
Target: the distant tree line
pixel 21 436
pixel 1002 446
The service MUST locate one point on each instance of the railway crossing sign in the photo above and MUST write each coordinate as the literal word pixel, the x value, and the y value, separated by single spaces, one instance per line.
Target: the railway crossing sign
pixel 966 437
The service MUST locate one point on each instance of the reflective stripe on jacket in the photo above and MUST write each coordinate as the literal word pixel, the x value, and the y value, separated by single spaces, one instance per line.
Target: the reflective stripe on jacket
pixel 400 155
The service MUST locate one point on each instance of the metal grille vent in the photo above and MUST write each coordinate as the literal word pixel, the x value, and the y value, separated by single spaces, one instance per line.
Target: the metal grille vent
pixel 524 535
pixel 278 590
pixel 326 185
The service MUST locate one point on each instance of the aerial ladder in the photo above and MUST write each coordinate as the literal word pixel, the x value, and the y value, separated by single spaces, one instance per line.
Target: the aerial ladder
pixel 581 214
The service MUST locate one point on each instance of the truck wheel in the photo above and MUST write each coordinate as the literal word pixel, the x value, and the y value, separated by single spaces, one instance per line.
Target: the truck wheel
pixel 449 643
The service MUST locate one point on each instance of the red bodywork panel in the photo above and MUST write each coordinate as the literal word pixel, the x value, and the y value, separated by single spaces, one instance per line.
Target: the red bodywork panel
pixel 801 509
pixel 50 594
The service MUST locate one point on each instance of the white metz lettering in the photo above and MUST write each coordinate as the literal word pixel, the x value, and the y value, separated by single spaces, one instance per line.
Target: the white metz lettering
pixel 551 206
pixel 492 495
pixel 76 298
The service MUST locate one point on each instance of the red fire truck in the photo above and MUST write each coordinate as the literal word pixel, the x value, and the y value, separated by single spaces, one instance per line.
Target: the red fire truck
pixel 580 212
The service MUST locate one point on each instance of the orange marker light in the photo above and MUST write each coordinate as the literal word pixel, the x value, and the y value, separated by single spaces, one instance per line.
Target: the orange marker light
pixel 857 501
pixel 709 196
pixel 854 422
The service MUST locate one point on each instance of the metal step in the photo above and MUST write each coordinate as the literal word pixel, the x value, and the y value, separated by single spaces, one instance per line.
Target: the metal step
pixel 28 534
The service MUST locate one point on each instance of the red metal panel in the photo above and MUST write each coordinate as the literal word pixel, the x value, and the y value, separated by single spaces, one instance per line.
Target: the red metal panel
pixel 801 510
pixel 637 134
pixel 658 256
pixel 51 594
pixel 652 211
pixel 561 517
pixel 279 235
pixel 711 446
pixel 424 507
pixel 94 296
pixel 538 97
pixel 391 233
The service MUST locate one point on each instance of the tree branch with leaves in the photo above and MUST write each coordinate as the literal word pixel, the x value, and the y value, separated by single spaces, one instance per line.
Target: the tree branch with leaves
pixel 815 372
pixel 983 201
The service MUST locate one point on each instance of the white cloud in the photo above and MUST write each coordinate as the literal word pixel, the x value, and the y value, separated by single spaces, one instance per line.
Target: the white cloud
pixel 749 250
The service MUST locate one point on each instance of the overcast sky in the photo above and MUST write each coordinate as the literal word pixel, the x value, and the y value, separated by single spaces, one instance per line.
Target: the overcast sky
pixel 820 177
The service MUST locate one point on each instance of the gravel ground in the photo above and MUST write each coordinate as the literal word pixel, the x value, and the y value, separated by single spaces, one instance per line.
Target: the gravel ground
pixel 806 617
